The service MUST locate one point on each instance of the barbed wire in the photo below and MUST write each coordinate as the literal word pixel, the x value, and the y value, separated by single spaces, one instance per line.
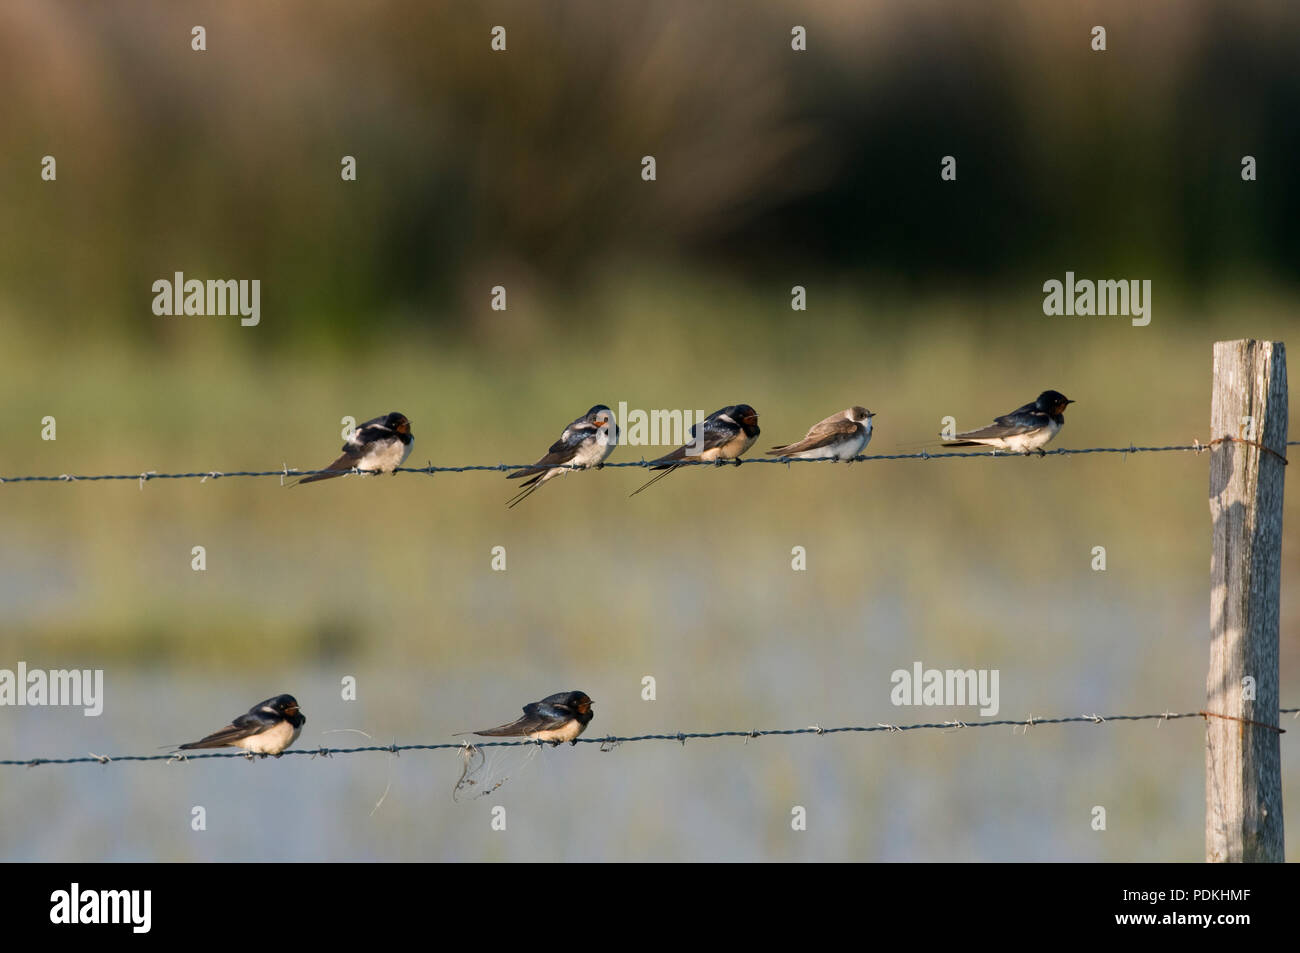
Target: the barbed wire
pixel 610 742
pixel 287 471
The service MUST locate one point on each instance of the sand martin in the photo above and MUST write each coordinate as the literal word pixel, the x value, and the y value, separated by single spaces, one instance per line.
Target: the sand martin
pixel 727 433
pixel 268 728
pixel 382 444
pixel 1024 430
pixel 585 443
pixel 556 718
pixel 840 436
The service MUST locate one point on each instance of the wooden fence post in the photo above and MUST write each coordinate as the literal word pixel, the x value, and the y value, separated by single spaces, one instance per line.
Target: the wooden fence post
pixel 1243 758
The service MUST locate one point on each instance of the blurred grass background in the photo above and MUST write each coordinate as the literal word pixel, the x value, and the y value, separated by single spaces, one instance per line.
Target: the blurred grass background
pixel 522 169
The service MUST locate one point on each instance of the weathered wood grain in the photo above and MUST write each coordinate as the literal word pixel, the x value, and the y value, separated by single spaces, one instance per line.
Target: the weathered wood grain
pixel 1243 762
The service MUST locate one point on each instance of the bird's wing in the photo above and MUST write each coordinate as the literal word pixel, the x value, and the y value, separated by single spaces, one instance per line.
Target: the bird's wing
pixel 1019 421
pixel 717 432
pixel 374 425
pixel 560 453
pixel 514 728
pixel 827 432
pixel 368 433
pixel 670 460
pixel 242 727
pixel 344 464
pixel 536 717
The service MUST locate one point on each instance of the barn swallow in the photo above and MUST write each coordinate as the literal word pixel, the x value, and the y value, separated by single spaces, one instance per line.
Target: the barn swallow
pixel 727 433
pixel 381 444
pixel 268 728
pixel 585 443
pixel 1024 430
pixel 840 436
pixel 556 718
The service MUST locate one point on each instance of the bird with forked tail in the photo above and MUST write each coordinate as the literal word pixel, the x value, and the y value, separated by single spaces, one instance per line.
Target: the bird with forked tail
pixel 1025 430
pixel 380 445
pixel 556 719
pixel 723 435
pixel 267 728
pixel 587 442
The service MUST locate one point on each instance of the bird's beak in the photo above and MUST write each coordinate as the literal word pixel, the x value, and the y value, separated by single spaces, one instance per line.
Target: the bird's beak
pixel 870 415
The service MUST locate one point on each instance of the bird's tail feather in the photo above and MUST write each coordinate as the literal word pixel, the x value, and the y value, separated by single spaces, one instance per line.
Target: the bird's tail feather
pixel 531 487
pixel 339 467
pixel 651 481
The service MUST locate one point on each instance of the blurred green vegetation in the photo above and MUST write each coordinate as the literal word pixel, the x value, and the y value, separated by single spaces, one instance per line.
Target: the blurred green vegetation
pixel 522 168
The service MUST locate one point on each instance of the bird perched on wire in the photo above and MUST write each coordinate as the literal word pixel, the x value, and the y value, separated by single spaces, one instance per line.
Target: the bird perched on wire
pixel 382 445
pixel 723 435
pixel 557 718
pixel 1025 430
pixel 840 436
pixel 585 443
pixel 268 728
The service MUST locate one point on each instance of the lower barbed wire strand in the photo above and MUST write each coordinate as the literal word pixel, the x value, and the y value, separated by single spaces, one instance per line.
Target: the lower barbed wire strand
pixel 680 737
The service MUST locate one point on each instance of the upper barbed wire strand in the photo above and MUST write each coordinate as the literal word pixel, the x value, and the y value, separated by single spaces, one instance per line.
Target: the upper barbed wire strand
pixel 146 476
